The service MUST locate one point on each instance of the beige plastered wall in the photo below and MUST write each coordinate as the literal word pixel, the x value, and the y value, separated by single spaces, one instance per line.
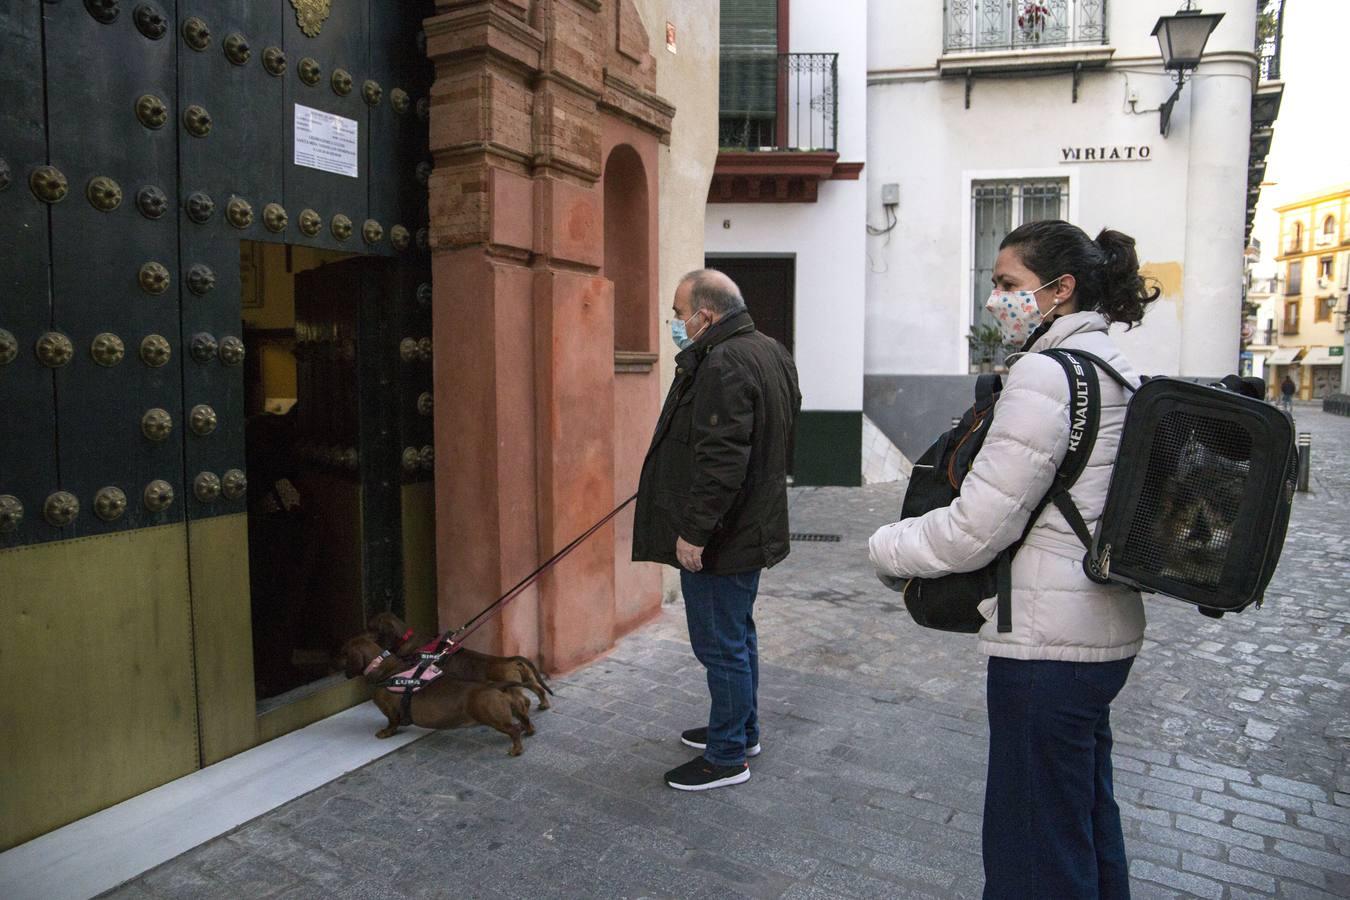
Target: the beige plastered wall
pixel 688 79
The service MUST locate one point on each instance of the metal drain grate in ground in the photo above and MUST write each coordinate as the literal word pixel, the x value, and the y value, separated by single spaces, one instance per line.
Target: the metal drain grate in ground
pixel 810 536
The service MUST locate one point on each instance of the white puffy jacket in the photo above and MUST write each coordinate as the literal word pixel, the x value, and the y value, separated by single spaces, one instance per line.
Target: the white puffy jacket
pixel 1057 612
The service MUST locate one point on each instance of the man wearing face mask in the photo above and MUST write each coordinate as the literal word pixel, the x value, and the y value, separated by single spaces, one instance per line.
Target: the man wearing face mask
pixel 712 501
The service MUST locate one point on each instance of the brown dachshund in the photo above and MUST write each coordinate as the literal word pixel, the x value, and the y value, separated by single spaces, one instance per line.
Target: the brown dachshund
pixel 392 634
pixel 445 702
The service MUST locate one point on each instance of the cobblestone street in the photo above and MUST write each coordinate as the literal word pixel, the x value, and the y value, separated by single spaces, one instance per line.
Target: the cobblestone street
pixel 1232 755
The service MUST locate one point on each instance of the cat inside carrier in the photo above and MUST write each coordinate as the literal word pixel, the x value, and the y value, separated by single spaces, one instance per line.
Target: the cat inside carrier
pixel 1200 497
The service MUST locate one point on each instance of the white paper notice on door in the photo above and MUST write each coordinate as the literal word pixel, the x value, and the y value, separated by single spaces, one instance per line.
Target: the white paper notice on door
pixel 325 142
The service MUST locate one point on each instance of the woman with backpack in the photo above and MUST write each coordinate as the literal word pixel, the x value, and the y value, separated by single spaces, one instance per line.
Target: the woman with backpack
pixel 1051 823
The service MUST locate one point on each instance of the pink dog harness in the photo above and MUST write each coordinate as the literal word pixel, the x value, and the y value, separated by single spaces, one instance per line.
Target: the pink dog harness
pixel 413 679
pixel 375 663
pixel 426 671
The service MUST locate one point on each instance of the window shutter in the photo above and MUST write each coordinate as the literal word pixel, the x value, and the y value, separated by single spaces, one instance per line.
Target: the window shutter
pixel 749 59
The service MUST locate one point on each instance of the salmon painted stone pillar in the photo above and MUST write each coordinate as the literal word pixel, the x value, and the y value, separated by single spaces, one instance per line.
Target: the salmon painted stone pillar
pixel 543 372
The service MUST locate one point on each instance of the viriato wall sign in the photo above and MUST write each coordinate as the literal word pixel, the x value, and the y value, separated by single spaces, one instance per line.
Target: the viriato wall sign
pixel 1137 153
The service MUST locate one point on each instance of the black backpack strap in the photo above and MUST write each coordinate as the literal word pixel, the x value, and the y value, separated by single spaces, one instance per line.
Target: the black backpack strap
pixel 405 708
pixel 1085 409
pixel 1096 361
pixel 1004 576
pixel 987 388
pixel 1069 510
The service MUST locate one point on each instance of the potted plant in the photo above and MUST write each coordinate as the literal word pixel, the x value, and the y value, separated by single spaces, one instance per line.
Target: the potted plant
pixel 1031 21
pixel 986 343
pixel 1267 25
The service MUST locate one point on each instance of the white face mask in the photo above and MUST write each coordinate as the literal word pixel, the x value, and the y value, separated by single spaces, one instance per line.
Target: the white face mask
pixel 1017 313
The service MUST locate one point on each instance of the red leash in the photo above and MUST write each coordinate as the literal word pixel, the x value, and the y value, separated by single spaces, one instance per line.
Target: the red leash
pixel 452 640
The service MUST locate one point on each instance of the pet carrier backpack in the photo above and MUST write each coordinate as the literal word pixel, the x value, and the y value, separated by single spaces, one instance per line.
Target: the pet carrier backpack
pixel 1201 511
pixel 951 602
pixel 1199 514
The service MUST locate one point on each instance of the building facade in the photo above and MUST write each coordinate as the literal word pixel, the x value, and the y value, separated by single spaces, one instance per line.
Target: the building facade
pixel 1306 162
pixel 1261 331
pixel 786 207
pixel 985 116
pixel 1312 284
pixel 315 310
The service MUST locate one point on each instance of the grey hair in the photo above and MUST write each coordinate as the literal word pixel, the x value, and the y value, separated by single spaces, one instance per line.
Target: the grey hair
pixel 708 291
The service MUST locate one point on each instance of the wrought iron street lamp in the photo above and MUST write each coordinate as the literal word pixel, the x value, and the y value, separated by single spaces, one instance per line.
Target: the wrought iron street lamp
pixel 1182 38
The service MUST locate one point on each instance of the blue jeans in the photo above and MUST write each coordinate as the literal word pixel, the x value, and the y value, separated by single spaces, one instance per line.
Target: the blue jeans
pixel 720 611
pixel 1051 824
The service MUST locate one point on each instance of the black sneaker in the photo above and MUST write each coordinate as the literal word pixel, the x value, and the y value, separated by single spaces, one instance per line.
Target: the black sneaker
pixel 700 775
pixel 698 739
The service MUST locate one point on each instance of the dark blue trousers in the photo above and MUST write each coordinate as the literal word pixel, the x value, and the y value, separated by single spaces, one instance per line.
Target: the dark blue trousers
pixel 1051 824
pixel 720 611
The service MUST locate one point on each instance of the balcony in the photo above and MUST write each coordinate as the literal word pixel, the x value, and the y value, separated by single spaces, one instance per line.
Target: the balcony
pixel 782 103
pixel 1019 37
pixel 1270 37
pixel 1270 89
pixel 778 128
pixel 1268 95
pixel 973 26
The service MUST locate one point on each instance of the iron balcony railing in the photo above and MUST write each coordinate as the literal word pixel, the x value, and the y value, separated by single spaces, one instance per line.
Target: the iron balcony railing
pixel 1270 37
pixel 784 101
pixel 976 25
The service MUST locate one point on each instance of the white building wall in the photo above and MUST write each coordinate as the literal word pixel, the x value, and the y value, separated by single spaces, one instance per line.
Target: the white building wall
pixel 1185 208
pixel 828 26
pixel 826 240
pixel 825 237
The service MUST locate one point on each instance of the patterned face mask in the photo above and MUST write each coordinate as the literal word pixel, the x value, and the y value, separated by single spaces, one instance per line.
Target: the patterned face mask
pixel 1017 313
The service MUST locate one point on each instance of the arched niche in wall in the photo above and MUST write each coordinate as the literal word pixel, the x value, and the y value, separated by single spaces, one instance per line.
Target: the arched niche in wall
pixel 626 249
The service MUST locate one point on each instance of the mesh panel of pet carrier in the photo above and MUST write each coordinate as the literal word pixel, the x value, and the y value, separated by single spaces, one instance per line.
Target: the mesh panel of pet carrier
pixel 1197 475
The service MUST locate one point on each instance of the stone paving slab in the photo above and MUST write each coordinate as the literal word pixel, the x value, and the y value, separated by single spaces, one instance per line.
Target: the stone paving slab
pixel 1232 755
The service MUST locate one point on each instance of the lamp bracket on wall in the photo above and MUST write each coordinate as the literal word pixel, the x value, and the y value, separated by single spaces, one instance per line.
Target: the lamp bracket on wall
pixel 1165 111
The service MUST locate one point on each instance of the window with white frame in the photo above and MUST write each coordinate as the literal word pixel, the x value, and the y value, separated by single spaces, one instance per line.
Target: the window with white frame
pixel 997 207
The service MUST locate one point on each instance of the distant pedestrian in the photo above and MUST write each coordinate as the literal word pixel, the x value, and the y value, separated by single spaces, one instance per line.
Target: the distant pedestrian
pixel 1287 391
pixel 1051 823
pixel 712 500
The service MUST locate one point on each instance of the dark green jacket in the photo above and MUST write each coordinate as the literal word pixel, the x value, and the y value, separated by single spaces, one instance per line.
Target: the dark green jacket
pixel 716 472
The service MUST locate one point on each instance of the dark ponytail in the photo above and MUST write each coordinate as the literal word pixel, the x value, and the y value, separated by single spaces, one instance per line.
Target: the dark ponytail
pixel 1106 270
